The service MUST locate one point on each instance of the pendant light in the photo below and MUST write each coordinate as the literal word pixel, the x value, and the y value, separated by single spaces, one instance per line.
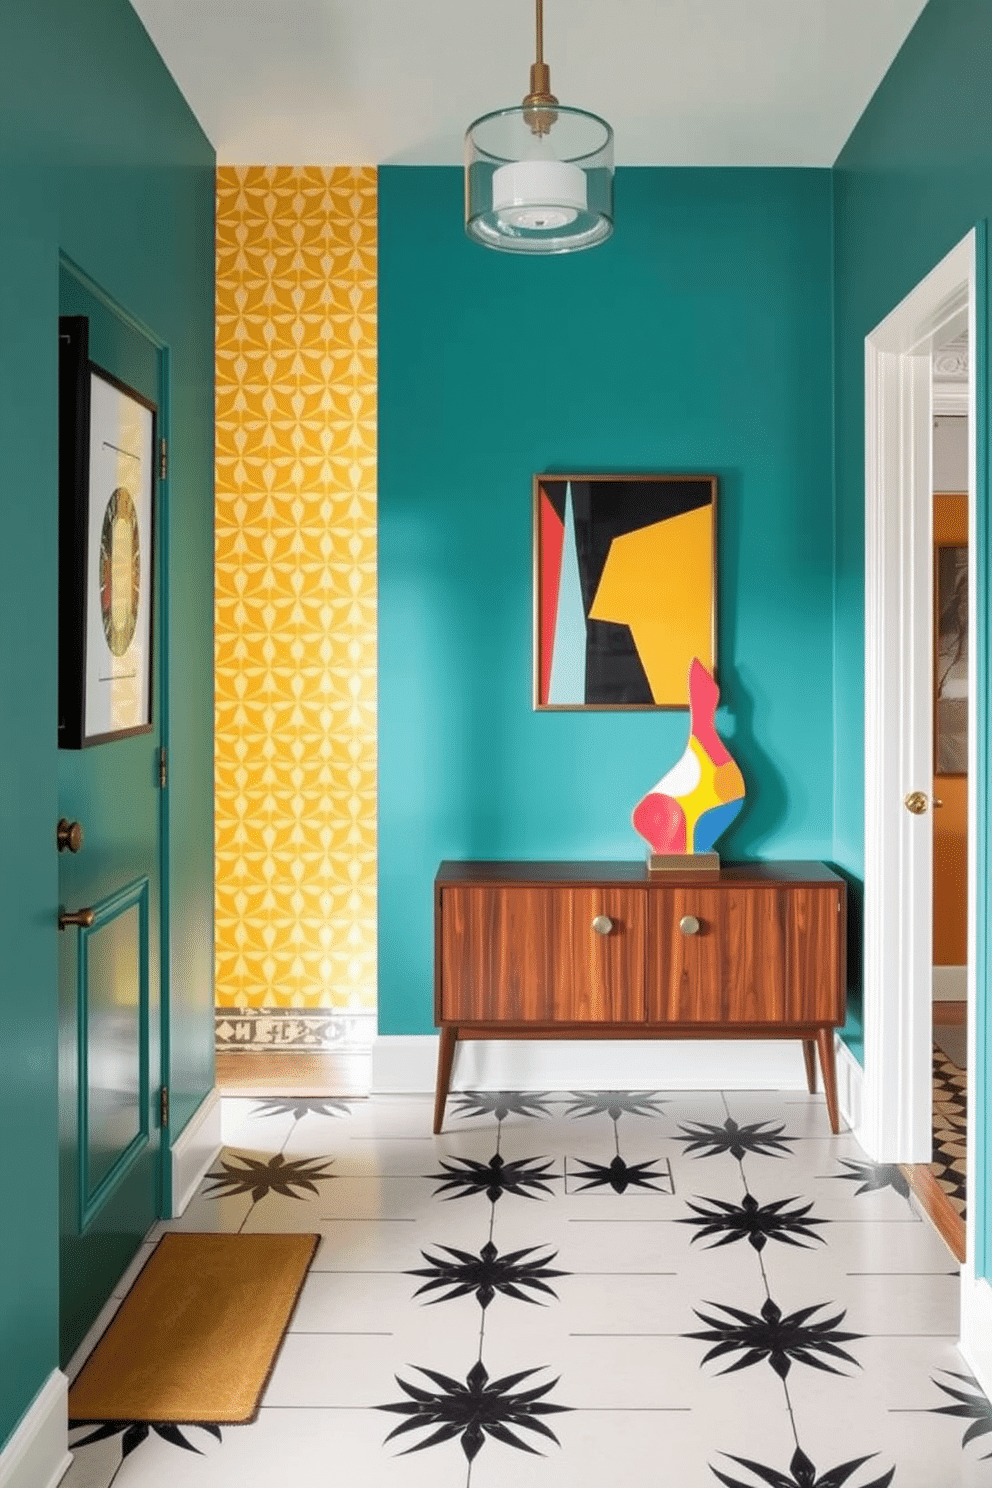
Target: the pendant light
pixel 539 177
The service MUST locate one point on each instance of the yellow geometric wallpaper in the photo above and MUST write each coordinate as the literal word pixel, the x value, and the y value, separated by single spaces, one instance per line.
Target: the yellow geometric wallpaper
pixel 296 587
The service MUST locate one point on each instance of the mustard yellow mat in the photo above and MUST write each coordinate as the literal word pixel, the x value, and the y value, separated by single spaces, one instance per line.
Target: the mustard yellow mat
pixel 197 1335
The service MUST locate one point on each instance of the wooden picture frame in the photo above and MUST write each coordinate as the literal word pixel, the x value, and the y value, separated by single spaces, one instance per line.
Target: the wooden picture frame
pixel 107 433
pixel 950 655
pixel 624 589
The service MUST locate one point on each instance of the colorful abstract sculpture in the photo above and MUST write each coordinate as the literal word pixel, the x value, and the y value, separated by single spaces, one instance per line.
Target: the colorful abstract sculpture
pixel 700 796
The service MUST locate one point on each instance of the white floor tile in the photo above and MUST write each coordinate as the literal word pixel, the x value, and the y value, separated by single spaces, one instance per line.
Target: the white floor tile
pixel 612 1340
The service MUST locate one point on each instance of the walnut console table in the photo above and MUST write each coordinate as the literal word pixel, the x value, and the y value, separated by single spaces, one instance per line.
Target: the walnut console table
pixel 605 950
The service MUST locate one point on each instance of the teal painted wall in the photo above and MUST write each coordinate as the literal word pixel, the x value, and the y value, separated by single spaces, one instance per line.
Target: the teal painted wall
pixel 913 179
pixel 698 338
pixel 101 159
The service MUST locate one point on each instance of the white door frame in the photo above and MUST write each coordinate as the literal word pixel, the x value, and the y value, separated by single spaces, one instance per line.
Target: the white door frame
pixel 898 905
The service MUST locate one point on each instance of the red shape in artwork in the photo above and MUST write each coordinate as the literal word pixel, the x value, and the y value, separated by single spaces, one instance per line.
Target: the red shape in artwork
pixel 703 698
pixel 661 821
pixel 552 542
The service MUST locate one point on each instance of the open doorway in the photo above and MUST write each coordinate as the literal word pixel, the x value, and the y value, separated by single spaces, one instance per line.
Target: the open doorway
pixel 942 1184
pixel 899 703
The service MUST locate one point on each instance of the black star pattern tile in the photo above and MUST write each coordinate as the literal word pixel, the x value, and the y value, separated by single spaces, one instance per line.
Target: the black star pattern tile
pixel 968 1403
pixel 616 1103
pixel 758 1138
pixel 488 1273
pixel 475 1410
pixel 783 1339
pixel 619 1175
pixel 242 1174
pixel 526 1177
pixel 723 1222
pixel 802 1473
pixel 299 1108
pixel 133 1433
pixel 502 1103
pixel 872 1177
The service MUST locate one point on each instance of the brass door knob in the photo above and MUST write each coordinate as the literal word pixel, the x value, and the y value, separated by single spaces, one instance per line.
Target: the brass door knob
pixel 689 925
pixel 602 924
pixel 917 802
pixel 68 835
pixel 85 918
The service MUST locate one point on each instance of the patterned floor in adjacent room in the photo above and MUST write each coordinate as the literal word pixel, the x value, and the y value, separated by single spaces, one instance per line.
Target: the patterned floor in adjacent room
pixel 580 1288
pixel 950 1124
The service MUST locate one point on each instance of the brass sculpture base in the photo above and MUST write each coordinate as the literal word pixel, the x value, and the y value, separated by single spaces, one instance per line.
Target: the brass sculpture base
pixel 707 862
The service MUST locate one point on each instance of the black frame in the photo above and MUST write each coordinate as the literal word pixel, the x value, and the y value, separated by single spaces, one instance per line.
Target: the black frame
pixel 76 373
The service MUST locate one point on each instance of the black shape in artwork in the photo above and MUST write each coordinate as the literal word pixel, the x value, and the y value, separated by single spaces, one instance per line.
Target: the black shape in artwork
pixel 875 1176
pixel 970 1404
pixel 616 1103
pixel 781 1339
pixel 494 1178
pixel 759 1138
pixel 474 1410
pixel 502 1103
pixel 754 1222
pixel 802 1473
pixel 133 1433
pixel 280 1175
pixel 486 1274
pixel 620 1175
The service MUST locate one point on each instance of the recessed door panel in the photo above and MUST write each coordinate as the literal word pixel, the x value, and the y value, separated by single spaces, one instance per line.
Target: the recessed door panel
pixel 113 1043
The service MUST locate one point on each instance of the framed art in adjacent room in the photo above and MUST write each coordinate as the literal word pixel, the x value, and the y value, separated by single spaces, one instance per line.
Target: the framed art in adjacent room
pixel 106 558
pixel 950 709
pixel 624 588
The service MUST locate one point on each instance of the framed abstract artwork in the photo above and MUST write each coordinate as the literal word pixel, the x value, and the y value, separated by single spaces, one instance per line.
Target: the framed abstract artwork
pixel 624 589
pixel 950 709
pixel 106 560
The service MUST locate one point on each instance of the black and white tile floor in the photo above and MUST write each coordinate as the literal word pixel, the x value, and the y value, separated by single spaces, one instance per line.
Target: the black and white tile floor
pixel 581 1288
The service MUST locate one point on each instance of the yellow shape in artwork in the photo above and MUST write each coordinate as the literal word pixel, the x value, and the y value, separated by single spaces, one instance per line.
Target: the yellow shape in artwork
pixel 659 581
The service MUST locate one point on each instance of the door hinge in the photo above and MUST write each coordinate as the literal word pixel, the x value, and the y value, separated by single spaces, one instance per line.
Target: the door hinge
pixel 163 768
pixel 163 460
pixel 163 1107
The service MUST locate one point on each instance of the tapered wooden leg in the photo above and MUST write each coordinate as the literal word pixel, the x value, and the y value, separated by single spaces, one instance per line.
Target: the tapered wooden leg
pixel 809 1055
pixel 825 1044
pixel 445 1059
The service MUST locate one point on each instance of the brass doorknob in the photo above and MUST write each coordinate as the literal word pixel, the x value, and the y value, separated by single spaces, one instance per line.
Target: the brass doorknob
pixel 602 924
pixel 68 835
pixel 917 802
pixel 82 917
pixel 689 925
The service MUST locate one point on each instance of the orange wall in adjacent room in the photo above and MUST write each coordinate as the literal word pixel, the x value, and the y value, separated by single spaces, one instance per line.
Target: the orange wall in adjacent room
pixel 296 587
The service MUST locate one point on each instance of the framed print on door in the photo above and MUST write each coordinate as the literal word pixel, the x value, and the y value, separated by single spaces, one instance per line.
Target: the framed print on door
pixel 106 549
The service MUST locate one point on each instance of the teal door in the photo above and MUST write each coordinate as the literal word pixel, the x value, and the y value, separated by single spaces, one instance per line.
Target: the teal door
pixel 110 854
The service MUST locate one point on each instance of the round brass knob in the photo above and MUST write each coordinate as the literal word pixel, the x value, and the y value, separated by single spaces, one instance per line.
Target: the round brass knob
pixel 68 835
pixel 916 802
pixel 602 924
pixel 689 925
pixel 85 918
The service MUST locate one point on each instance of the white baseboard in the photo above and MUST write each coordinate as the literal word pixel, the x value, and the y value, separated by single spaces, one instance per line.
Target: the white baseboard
pixel 37 1454
pixel 194 1150
pixel 976 1327
pixel 850 1082
pixel 950 983
pixel 405 1064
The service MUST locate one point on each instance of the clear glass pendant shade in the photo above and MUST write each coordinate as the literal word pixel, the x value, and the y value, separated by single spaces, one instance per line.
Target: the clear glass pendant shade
pixel 539 179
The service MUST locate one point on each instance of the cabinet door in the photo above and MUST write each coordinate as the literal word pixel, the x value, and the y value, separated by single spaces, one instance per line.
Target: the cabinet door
pixel 531 955
pixel 762 954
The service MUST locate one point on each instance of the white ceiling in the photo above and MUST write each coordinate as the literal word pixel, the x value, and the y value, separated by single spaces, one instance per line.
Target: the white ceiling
pixel 683 82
